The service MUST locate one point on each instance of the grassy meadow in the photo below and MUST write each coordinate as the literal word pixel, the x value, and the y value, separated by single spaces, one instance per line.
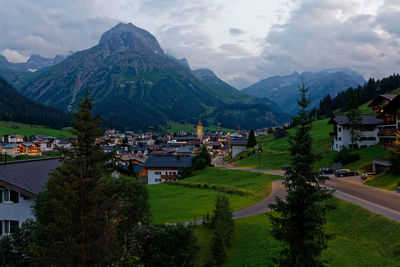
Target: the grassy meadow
pixel 172 203
pixel 361 239
pixel 7 127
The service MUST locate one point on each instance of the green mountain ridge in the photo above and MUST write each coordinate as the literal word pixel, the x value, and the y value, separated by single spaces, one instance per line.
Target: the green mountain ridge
pixel 135 85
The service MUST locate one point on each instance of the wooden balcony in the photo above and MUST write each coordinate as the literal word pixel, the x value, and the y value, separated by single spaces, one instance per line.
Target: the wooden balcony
pixel 169 177
pixel 388 132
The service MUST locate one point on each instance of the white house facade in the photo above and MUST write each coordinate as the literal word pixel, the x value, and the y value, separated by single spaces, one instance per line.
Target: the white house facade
pixel 20 182
pixel 161 168
pixel 368 135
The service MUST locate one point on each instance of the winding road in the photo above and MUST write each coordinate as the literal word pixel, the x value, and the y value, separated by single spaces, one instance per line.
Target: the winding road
pixel 383 202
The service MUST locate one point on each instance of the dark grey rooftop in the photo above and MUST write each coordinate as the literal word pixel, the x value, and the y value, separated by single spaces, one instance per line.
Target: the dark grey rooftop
pixel 27 176
pixel 167 161
pixel 238 142
pixel 365 120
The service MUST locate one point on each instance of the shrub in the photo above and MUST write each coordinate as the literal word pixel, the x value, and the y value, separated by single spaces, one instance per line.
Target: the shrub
pixel 199 164
pixel 346 157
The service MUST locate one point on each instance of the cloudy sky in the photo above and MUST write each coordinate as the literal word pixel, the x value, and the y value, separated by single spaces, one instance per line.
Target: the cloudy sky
pixel 242 41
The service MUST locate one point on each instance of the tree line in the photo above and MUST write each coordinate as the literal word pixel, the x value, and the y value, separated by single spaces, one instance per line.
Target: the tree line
pixel 18 108
pixel 369 91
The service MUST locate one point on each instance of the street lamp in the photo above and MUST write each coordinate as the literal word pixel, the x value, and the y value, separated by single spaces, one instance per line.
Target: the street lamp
pixel 259 158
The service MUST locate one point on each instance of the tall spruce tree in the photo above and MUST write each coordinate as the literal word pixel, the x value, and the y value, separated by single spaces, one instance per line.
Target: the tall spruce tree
pixel 354 116
pixel 301 216
pixel 251 141
pixel 84 213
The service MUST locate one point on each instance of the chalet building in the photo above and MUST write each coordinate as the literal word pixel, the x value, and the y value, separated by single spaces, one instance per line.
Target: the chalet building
pixel 20 182
pixel 237 145
pixel 161 168
pixel 188 151
pixel 342 136
pixel 44 145
pixel 17 149
pixel 62 143
pixel 387 108
pixel 12 138
pixel 13 149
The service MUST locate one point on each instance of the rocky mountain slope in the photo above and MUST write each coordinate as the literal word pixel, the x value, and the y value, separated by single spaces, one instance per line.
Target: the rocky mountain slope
pixel 134 84
pixel 283 89
pixel 19 74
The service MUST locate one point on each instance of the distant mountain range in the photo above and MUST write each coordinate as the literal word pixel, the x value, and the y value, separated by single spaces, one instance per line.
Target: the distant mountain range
pixel 20 73
pixel 18 108
pixel 284 89
pixel 135 85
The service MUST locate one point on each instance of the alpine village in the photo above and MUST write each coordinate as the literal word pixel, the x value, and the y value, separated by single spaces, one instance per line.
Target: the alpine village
pixel 122 154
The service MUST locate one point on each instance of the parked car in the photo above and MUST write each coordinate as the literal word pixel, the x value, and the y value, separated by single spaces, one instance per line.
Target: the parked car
pixel 366 175
pixel 324 171
pixel 344 172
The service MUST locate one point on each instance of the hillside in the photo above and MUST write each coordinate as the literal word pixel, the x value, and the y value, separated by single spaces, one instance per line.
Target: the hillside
pixel 275 153
pixel 283 89
pixel 134 84
pixel 18 108
pixel 9 127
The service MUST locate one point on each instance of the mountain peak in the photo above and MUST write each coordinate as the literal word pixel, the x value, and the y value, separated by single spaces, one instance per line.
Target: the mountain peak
pixel 128 36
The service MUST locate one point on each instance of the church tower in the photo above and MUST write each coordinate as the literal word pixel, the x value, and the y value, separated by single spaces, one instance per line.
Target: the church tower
pixel 200 131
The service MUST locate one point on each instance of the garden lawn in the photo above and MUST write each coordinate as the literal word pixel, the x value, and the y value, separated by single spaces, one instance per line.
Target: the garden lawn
pixel 28 130
pixel 252 182
pixel 171 203
pixel 386 181
pixel 174 203
pixel 362 239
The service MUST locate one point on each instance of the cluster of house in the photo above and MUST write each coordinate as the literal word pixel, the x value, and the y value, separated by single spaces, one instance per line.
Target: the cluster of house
pixel 158 158
pixel 15 145
pixel 379 127
pixel 154 158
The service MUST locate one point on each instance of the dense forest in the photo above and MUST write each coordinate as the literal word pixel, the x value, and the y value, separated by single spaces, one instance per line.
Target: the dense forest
pixel 367 92
pixel 18 108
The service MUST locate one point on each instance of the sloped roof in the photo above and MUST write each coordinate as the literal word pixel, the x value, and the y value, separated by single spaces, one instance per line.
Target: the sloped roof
pixel 187 149
pixel 386 96
pixel 365 120
pixel 167 161
pixel 27 176
pixel 393 105
pixel 238 142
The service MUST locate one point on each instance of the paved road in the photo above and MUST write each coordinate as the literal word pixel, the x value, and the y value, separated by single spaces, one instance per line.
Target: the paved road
pixel 351 189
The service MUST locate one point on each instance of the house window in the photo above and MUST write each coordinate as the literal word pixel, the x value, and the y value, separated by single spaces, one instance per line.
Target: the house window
pixel 8 226
pixel 9 196
pixel 339 129
pixel 340 138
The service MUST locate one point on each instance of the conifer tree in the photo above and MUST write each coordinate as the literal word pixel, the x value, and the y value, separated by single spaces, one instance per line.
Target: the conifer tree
pixel 354 116
pixel 299 224
pixel 251 141
pixel 84 212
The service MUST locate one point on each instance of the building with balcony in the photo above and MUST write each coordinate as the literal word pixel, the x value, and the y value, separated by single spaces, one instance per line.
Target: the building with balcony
pixel 20 182
pixel 387 108
pixel 342 136
pixel 160 167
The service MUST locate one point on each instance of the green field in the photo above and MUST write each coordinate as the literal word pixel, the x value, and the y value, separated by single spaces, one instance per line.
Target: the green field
pixel 171 203
pixel 28 130
pixel 362 239
pixel 386 181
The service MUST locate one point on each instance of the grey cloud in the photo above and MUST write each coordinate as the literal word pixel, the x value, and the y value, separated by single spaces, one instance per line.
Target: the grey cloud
pixel 235 31
pixel 314 39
